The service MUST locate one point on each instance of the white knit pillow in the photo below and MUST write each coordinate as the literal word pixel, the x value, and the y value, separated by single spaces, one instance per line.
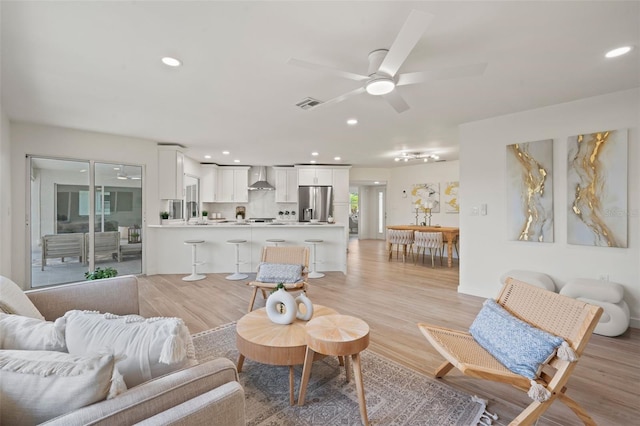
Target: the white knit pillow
pixel 39 385
pixel 150 347
pixel 18 332
pixel 14 301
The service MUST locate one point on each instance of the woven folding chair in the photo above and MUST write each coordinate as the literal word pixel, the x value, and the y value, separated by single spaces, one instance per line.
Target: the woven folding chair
pixel 291 255
pixel 570 319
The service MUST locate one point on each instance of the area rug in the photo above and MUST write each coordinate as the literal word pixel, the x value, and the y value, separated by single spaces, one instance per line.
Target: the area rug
pixel 395 395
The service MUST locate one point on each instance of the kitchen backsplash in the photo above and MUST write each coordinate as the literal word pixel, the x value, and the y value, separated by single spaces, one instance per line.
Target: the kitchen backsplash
pixel 261 204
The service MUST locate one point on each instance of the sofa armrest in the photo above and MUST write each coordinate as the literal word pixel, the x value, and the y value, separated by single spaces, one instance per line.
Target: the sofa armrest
pixel 158 395
pixel 223 406
pixel 117 295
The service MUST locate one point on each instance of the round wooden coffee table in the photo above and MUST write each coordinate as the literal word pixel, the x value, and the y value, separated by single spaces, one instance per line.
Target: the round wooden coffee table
pixel 339 335
pixel 261 340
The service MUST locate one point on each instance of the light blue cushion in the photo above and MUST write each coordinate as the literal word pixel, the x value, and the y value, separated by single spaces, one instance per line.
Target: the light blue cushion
pixel 519 346
pixel 279 273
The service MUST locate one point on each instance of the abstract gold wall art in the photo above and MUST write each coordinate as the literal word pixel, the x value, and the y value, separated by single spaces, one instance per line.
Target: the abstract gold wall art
pixel 451 204
pixel 530 191
pixel 426 195
pixel 597 189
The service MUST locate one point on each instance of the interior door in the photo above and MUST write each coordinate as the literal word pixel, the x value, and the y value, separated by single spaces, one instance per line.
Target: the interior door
pixel 380 212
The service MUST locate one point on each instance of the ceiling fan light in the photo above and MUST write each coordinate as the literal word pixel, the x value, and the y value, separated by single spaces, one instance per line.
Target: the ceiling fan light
pixel 380 86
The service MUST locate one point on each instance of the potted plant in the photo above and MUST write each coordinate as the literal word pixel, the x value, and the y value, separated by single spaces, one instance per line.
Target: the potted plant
pixel 205 214
pixel 164 215
pixel 99 274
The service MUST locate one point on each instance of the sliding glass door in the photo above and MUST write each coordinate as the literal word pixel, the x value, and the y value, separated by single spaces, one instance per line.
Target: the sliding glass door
pixel 83 215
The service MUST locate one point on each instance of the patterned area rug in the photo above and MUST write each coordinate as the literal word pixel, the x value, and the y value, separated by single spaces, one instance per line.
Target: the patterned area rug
pixel 395 395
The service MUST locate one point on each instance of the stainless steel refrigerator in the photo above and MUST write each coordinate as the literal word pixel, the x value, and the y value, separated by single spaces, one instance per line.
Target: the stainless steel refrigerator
pixel 315 202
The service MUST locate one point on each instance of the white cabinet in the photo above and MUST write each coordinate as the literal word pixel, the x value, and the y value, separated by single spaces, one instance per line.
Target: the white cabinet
pixel 208 183
pixel 232 185
pixel 286 185
pixel 170 174
pixel 315 176
pixel 341 185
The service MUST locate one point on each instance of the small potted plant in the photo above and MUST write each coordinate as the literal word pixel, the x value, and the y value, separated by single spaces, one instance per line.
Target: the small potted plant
pixel 205 214
pixel 164 215
pixel 99 274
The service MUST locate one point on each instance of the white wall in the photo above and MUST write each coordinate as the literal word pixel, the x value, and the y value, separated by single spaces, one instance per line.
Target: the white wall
pixel 485 252
pixel 5 198
pixel 66 143
pixel 399 208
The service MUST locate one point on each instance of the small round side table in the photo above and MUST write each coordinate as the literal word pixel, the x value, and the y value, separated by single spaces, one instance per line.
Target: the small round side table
pixel 339 335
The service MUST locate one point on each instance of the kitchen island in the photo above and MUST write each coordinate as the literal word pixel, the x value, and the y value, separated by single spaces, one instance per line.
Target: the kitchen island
pixel 167 254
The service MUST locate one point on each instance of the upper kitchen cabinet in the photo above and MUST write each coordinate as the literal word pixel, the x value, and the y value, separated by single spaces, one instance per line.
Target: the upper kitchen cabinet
pixel 286 185
pixel 315 176
pixel 232 185
pixel 340 184
pixel 170 173
pixel 209 183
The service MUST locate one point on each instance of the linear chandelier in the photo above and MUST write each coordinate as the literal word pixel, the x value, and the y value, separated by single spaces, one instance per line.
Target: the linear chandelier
pixel 408 156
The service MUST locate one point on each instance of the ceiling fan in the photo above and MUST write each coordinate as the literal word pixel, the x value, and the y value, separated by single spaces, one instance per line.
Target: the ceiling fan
pixel 382 77
pixel 122 175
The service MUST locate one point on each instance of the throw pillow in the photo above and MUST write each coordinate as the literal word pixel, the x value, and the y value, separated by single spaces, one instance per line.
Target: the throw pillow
pixel 519 346
pixel 150 347
pixel 279 273
pixel 39 385
pixel 14 301
pixel 18 332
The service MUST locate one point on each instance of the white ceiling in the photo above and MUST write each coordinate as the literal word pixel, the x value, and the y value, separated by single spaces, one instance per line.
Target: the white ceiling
pixel 96 66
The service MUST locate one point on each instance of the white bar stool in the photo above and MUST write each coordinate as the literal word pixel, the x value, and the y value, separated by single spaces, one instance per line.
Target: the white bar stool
pixel 314 273
pixel 275 241
pixel 237 275
pixel 194 275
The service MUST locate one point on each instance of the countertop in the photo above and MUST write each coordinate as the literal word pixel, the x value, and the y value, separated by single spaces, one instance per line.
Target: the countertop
pixel 212 224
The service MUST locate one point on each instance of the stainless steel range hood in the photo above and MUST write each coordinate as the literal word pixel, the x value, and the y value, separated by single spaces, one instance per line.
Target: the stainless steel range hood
pixel 261 184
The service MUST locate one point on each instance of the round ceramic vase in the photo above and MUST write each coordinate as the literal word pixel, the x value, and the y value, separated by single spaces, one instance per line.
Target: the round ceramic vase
pixel 273 307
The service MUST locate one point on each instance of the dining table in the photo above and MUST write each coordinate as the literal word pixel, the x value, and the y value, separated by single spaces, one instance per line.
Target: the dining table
pixel 448 232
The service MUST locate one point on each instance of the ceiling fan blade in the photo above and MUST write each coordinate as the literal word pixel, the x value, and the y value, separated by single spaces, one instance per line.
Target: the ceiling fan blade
pixel 340 98
pixel 406 40
pixel 442 74
pixel 396 101
pixel 325 68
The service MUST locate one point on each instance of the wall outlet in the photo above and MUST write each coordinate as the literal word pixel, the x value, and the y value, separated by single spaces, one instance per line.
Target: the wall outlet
pixel 475 211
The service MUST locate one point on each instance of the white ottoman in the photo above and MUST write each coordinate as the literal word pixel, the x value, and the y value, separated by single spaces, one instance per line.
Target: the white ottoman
pixel 530 277
pixel 608 295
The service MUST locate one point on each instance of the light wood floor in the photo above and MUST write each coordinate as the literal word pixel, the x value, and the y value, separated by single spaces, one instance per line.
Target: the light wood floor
pixel 392 297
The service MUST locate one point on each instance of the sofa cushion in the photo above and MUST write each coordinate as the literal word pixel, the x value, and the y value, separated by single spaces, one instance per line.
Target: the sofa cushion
pixel 518 345
pixel 19 332
pixel 39 385
pixel 279 273
pixel 150 347
pixel 14 301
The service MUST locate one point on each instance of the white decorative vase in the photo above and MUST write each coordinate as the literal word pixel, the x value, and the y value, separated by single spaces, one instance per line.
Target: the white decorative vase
pixel 308 307
pixel 288 314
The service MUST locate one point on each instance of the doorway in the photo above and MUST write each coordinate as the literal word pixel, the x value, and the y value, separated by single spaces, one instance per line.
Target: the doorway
pixel 83 215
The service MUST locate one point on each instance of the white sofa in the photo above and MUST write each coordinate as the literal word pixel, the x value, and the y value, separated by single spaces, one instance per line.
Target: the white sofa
pixel 204 394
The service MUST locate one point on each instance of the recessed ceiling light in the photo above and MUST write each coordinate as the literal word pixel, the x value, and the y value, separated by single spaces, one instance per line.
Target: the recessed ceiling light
pixel 207 157
pixel 315 154
pixel 225 152
pixel 618 51
pixel 116 168
pixel 376 182
pixel 352 122
pixel 313 161
pixel 236 161
pixel 171 62
pixel 337 158
pixel 83 170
